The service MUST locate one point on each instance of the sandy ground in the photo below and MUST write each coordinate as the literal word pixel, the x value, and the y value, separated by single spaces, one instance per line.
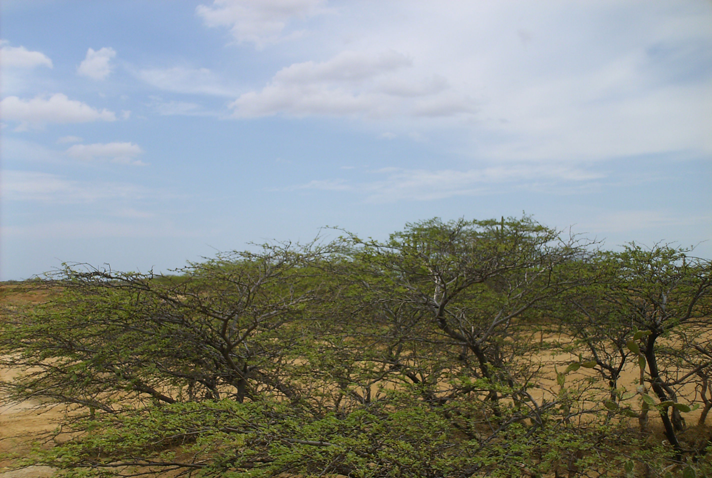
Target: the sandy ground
pixel 21 423
pixel 29 472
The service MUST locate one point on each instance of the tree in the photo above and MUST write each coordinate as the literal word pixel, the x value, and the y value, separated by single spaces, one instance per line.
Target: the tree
pixel 470 281
pixel 397 358
pixel 223 329
pixel 645 300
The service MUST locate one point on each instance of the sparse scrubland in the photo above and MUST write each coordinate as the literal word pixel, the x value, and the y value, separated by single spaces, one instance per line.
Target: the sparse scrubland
pixel 459 349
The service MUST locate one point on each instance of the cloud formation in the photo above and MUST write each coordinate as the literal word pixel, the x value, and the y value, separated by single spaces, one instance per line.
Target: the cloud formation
pixel 347 66
pixel 97 64
pixel 352 82
pixel 400 184
pixel 124 153
pixel 69 139
pixel 516 84
pixel 258 21
pixel 55 109
pixel 179 108
pixel 46 187
pixel 21 57
pixel 184 80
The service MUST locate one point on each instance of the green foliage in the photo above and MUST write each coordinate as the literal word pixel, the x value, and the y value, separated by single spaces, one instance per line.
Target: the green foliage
pixel 412 357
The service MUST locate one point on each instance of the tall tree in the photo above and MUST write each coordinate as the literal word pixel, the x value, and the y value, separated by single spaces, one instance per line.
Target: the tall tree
pixel 472 281
pixel 223 328
pixel 647 298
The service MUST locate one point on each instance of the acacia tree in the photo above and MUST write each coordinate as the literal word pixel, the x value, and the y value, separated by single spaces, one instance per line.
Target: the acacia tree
pixel 599 328
pixel 470 281
pixel 700 362
pixel 643 300
pixel 408 357
pixel 222 329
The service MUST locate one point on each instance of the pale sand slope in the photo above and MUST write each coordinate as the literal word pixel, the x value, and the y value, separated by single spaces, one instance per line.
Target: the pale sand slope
pixel 20 424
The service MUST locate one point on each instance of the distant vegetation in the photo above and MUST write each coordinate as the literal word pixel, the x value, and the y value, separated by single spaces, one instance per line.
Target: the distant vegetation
pixel 459 349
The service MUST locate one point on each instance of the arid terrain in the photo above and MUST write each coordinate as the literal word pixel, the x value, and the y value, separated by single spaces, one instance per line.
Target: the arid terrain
pixel 22 424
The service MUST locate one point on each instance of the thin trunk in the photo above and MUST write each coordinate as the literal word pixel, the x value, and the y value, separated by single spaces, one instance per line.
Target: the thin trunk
pixel 486 373
pixel 643 416
pixel 705 399
pixel 656 383
pixel 241 390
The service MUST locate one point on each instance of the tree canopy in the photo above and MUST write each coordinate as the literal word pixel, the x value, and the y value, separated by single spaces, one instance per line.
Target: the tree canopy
pixel 462 349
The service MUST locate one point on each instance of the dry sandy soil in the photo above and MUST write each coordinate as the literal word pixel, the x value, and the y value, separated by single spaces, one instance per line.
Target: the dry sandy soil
pixel 21 423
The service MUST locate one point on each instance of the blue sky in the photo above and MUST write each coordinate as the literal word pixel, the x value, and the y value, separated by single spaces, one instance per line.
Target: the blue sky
pixel 146 134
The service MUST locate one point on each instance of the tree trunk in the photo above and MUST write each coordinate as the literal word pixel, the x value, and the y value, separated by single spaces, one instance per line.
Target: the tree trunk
pixel 656 384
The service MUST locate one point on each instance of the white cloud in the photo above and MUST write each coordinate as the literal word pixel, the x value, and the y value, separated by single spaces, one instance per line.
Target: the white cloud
pixel 50 188
pixel 33 186
pixel 654 121
pixel 258 21
pixel 97 65
pixel 69 139
pixel 421 185
pixel 273 100
pixel 20 57
pixel 19 68
pixel 179 108
pixel 55 109
pixel 572 92
pixel 400 184
pixel 512 81
pixel 124 153
pixel 15 150
pixel 326 185
pixel 129 227
pixel 445 105
pixel 403 87
pixel 352 83
pixel 347 66
pixel 186 80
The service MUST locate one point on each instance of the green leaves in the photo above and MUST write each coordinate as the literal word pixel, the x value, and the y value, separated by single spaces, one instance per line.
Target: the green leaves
pixel 688 472
pixel 572 367
pixel 429 354
pixel 648 399
pixel 633 346
pixel 640 334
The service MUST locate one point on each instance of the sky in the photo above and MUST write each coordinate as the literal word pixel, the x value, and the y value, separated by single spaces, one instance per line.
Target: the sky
pixel 142 135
